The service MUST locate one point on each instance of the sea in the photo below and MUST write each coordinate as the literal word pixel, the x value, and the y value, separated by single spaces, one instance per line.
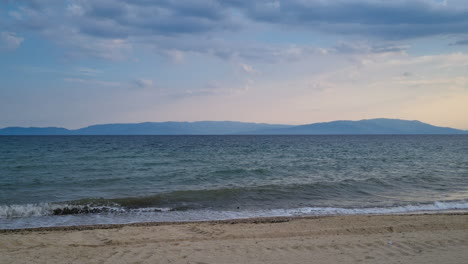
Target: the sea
pixel 50 181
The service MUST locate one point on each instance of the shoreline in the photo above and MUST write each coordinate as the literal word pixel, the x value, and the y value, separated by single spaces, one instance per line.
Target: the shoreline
pixel 392 238
pixel 113 221
pixel 252 220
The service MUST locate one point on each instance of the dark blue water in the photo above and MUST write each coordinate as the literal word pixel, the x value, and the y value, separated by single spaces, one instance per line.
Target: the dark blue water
pixel 71 180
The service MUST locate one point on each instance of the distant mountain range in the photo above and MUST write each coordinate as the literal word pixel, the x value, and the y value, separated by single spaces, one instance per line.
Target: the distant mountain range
pixel 150 128
pixel 377 126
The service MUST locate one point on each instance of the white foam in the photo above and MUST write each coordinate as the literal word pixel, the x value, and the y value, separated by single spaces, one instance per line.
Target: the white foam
pixel 27 216
pixel 27 210
pixel 45 209
pixel 436 206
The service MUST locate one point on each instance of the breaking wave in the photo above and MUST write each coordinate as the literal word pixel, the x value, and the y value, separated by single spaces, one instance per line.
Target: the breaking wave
pixel 48 209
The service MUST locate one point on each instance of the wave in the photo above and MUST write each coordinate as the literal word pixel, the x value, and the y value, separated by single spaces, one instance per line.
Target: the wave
pixel 347 193
pixel 48 209
pixel 26 210
pixel 435 206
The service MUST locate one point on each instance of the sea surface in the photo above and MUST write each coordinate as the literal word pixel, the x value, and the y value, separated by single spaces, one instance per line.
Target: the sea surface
pixel 84 180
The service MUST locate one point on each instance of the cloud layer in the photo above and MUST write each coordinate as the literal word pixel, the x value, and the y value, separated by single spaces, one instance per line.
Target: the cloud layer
pixel 111 29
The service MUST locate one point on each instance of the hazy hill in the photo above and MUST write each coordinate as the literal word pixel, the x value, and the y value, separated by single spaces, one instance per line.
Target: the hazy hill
pixel 176 128
pixel 34 131
pixel 364 127
pixel 150 128
pixel 368 126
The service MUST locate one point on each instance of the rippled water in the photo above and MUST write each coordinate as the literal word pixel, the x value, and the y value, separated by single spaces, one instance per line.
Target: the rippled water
pixel 69 180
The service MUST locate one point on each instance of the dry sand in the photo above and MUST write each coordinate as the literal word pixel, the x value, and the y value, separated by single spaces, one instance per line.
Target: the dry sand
pixel 435 238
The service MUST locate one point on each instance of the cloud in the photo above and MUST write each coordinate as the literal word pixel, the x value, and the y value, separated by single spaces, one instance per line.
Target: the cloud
pixel 421 75
pixel 460 42
pixel 379 18
pixel 79 46
pixel 454 61
pixel 265 53
pixel 87 71
pixel 407 74
pixel 15 15
pixel 111 29
pixel 176 56
pixel 94 83
pixel 128 18
pixel 143 83
pixel 362 48
pixel 177 48
pixel 216 88
pixel 9 41
pixel 77 71
pixel 247 68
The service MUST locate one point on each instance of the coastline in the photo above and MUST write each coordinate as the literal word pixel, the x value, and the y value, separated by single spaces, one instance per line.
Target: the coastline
pixel 417 238
pixel 250 220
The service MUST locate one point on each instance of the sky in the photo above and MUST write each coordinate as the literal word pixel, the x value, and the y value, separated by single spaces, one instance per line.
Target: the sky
pixel 74 63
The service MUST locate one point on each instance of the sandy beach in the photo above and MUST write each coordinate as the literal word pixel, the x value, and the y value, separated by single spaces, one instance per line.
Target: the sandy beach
pixel 425 238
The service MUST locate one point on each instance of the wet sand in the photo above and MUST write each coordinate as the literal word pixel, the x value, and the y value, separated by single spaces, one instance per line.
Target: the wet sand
pixel 419 238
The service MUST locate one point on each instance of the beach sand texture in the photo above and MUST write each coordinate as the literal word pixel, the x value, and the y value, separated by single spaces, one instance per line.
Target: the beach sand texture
pixel 428 238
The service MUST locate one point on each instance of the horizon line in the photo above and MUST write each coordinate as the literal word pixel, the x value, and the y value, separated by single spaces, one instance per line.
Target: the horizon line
pixel 233 121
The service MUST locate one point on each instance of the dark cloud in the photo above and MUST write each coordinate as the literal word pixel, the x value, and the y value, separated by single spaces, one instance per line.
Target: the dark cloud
pixel 92 26
pixel 105 9
pixel 124 18
pixel 363 12
pixel 407 74
pixel 460 42
pixel 386 19
pixel 104 29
